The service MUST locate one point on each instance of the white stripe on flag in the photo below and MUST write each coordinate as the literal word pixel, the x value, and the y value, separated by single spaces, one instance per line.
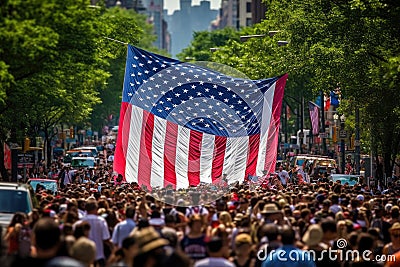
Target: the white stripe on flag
pixel 206 157
pixel 236 158
pixel 157 167
pixel 265 123
pixel 132 155
pixel 182 157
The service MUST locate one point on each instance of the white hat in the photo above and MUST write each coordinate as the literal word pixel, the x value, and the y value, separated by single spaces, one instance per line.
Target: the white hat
pixel 360 197
pixel 388 206
pixel 156 222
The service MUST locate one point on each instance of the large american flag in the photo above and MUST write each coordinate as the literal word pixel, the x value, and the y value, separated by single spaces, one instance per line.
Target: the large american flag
pixel 314 116
pixel 182 124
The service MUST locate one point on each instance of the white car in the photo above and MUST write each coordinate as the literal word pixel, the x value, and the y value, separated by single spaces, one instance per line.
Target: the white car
pixel 83 162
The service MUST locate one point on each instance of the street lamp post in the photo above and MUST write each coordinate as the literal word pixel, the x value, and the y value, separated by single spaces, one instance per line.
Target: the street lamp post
pixel 335 135
pixel 342 144
pixel 357 142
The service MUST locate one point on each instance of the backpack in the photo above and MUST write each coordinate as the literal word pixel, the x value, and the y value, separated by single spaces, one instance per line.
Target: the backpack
pixel 195 210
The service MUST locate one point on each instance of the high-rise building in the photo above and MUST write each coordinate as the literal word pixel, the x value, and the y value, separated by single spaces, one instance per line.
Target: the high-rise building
pixel 155 13
pixel 235 13
pixel 188 19
pixel 245 14
pixel 229 16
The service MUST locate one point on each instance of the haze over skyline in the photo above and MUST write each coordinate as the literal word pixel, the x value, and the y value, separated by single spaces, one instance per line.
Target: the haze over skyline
pixel 172 5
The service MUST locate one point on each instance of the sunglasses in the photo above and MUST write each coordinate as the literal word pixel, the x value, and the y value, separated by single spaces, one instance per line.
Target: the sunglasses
pixel 396 235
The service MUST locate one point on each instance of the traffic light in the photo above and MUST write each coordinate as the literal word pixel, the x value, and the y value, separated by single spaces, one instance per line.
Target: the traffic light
pixel 71 132
pixel 334 134
pixel 27 144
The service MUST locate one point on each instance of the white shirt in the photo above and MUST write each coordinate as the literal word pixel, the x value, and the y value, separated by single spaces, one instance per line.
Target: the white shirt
pixel 214 262
pixel 122 231
pixel 67 177
pixel 98 232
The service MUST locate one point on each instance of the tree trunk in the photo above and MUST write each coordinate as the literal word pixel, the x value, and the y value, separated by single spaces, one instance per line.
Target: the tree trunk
pixel 47 141
pixel 388 146
pixel 3 170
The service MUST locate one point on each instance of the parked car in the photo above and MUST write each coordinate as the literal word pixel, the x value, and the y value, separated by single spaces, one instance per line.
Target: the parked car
pixel 48 184
pixel 14 198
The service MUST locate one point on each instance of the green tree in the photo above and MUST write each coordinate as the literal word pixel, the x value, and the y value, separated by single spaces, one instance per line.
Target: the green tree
pixel 53 63
pixel 135 31
pixel 199 48
pixel 353 44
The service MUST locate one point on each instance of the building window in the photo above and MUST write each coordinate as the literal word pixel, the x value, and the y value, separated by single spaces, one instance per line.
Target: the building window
pixel 248 7
pixel 249 21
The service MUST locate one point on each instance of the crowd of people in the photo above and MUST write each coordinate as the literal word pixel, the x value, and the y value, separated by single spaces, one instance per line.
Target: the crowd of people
pixel 96 219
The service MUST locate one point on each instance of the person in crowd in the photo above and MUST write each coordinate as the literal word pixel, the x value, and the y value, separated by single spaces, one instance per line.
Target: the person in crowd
pixel 18 235
pixel 288 237
pixel 283 176
pixel 84 250
pixel 46 241
pixel 123 257
pixel 81 229
pixel 262 211
pixel 217 249
pixel 154 251
pixel 99 232
pixel 124 228
pixel 365 243
pixel 169 230
pixel 394 246
pixel 193 244
pixel 243 251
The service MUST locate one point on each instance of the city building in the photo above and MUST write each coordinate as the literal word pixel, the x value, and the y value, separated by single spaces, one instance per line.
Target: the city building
pixel 188 19
pixel 153 9
pixel 235 13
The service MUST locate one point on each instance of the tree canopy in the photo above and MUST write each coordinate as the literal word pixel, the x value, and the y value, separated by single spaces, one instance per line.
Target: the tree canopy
pixel 56 62
pixel 348 44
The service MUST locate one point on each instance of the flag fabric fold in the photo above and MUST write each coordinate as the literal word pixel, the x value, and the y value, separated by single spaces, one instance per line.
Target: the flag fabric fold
pixel 314 116
pixel 182 124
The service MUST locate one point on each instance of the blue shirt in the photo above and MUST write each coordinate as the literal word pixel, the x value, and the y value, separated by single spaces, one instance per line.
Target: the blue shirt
pixel 122 231
pixel 289 256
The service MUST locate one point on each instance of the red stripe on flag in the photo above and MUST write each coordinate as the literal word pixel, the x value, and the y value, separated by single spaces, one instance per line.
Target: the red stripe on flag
pixel 145 154
pixel 171 136
pixel 218 159
pixel 122 138
pixel 194 157
pixel 252 154
pixel 273 133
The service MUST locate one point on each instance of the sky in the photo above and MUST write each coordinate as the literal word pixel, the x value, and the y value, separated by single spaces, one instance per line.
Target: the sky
pixel 172 5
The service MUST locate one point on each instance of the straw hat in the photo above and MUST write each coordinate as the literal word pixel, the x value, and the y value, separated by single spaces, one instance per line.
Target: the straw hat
pixel 149 239
pixel 313 235
pixel 238 217
pixel 270 209
pixel 395 226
